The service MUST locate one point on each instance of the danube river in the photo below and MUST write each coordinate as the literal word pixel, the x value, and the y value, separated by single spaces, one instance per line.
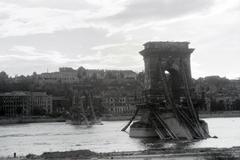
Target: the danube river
pixel 37 138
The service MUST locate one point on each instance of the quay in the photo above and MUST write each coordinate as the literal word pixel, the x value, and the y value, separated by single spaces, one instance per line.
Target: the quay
pixel 219 114
pixel 36 119
pixel 202 114
pixel 160 154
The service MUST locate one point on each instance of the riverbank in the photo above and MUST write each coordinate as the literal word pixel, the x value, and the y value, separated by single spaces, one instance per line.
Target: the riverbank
pixel 161 154
pixel 202 114
pixel 21 120
pixel 218 114
pixel 119 118
pixel 39 119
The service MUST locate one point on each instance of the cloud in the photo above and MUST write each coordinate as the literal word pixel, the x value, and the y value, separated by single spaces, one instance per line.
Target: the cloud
pixel 48 34
pixel 141 14
pixel 52 4
pixel 141 10
pixel 26 49
pixel 102 47
pixel 94 57
pixel 36 17
pixel 26 21
pixel 128 37
pixel 30 53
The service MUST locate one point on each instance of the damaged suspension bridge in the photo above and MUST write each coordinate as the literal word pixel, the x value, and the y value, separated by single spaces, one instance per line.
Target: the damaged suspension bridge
pixel 169 110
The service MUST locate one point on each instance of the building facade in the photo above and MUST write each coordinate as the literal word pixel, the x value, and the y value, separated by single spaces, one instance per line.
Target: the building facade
pixel 99 74
pixel 65 75
pixel 20 103
pixel 121 103
pixel 60 104
pixel 120 74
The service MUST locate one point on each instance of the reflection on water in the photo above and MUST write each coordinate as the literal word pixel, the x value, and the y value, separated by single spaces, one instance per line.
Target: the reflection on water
pixel 37 138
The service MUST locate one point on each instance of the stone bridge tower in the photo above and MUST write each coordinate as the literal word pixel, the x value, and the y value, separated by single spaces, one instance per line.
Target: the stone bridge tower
pixel 169 55
pixel 169 108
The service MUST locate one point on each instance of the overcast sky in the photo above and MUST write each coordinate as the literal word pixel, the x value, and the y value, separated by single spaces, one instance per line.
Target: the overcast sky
pixel 43 35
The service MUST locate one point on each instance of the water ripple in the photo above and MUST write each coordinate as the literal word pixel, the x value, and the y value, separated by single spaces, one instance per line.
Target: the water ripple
pixel 37 138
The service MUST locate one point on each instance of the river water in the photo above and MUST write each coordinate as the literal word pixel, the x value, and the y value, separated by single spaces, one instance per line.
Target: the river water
pixel 37 138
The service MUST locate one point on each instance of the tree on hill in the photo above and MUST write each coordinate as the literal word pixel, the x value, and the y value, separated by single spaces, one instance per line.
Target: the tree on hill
pixel 217 81
pixel 217 106
pixel 3 81
pixel 3 76
pixel 110 75
pixel 140 77
pixel 34 77
pixel 121 75
pixel 81 72
pixel 94 76
pixel 237 104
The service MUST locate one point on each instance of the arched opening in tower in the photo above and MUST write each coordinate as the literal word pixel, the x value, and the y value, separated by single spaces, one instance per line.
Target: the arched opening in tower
pixel 175 83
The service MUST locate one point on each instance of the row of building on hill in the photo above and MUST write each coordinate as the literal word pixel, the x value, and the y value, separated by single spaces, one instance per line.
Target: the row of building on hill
pixel 20 103
pixel 24 103
pixel 116 102
pixel 69 75
pixel 226 98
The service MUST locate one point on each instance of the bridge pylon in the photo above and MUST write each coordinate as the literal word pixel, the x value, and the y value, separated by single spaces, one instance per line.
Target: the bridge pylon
pixel 169 110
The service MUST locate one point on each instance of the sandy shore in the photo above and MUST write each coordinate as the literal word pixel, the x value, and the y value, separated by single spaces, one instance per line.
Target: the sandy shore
pixel 160 154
